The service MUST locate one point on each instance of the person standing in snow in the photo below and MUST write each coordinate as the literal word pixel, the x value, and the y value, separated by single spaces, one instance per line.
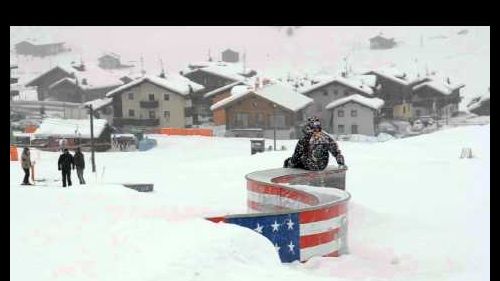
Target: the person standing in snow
pixel 79 161
pixel 65 164
pixel 26 165
pixel 312 150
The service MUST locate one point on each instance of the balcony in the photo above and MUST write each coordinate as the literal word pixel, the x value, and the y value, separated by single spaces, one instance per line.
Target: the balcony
pixel 135 122
pixel 149 104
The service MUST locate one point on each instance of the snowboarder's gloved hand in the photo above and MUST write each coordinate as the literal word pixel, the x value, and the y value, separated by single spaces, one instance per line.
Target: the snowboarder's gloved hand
pixel 340 160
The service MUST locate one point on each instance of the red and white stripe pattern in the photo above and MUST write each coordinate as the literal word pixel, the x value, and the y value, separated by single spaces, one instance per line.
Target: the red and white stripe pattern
pixel 320 229
pixel 296 216
pixel 263 197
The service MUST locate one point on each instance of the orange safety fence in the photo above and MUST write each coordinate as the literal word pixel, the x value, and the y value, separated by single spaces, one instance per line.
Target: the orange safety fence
pixel 186 132
pixel 30 129
pixel 13 153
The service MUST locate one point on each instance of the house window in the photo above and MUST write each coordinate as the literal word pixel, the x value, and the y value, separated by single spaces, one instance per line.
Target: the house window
pixel 241 120
pixel 131 113
pixel 166 97
pixel 259 120
pixel 106 110
pixel 341 129
pixel 152 114
pixel 354 113
pixel 340 113
pixel 325 93
pixel 280 120
pixel 335 92
pixel 166 115
pixel 151 97
pixel 354 129
pixel 404 109
pixel 130 96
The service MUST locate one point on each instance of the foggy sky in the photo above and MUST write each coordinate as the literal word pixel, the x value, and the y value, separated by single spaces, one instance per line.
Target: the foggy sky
pixel 265 47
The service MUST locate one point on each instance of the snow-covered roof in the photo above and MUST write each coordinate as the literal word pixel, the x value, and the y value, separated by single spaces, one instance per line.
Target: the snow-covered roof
pixel 91 77
pixel 57 67
pixel 380 36
pixel 442 87
pixel 351 83
pixel 478 101
pixel 95 77
pixel 231 71
pixel 374 103
pixel 70 128
pixel 69 79
pixel 41 41
pixel 277 93
pixel 175 83
pixel 394 74
pixel 111 54
pixel 229 50
pixel 223 88
pixel 99 103
pixel 21 134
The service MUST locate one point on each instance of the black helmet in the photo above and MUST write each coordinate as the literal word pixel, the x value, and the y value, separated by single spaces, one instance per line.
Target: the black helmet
pixel 311 124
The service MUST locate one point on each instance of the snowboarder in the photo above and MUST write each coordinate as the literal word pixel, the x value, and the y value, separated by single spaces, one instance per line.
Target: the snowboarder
pixel 79 161
pixel 26 165
pixel 65 164
pixel 311 152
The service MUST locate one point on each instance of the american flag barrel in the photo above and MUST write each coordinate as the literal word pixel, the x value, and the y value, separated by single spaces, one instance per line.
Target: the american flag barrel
pixel 303 213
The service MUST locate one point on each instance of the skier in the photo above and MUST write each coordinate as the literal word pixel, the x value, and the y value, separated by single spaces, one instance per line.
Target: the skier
pixel 311 152
pixel 65 164
pixel 79 161
pixel 26 165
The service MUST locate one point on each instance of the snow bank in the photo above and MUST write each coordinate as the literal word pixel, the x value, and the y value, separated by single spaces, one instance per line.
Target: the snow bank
pixel 417 212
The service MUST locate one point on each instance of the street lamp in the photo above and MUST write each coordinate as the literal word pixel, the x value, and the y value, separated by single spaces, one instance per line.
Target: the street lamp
pixel 274 124
pixel 89 106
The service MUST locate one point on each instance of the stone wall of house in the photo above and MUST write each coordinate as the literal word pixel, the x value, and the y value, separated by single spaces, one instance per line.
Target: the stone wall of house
pixel 364 119
pixel 175 105
pixel 325 95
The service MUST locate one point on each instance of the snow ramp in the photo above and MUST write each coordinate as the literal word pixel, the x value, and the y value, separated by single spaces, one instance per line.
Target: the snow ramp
pixel 303 213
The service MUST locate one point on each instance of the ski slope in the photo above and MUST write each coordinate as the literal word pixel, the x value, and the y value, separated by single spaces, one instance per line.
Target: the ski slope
pixel 417 212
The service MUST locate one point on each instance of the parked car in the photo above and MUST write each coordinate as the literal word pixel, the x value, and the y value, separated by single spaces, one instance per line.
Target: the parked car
pixel 426 120
pixel 417 125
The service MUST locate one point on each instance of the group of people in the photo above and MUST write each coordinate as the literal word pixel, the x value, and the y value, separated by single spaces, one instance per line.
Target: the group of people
pixel 121 143
pixel 311 153
pixel 65 164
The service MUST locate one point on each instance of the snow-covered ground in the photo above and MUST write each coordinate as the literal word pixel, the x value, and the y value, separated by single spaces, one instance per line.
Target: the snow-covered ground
pixel 417 212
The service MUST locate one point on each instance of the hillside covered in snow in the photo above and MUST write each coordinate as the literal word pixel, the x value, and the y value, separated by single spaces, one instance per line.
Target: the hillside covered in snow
pixel 459 53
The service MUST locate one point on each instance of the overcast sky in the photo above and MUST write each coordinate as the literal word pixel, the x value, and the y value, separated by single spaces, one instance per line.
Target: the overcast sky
pixel 266 47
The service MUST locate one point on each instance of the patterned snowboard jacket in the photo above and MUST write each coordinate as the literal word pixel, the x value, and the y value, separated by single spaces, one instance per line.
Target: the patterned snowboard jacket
pixel 312 152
